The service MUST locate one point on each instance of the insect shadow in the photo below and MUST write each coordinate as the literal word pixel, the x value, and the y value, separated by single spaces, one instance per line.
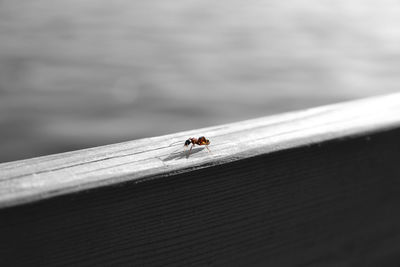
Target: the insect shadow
pixel 182 154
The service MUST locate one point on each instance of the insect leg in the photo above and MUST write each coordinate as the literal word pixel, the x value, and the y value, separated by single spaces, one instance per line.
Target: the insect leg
pixel 190 150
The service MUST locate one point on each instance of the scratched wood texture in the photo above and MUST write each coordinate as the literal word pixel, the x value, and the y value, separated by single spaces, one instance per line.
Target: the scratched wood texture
pixel 48 176
pixel 307 188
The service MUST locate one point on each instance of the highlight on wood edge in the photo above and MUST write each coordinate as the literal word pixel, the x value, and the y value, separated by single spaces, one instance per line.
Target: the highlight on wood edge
pixel 38 178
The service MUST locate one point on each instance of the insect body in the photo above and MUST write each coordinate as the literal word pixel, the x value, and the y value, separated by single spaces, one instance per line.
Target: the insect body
pixel 201 141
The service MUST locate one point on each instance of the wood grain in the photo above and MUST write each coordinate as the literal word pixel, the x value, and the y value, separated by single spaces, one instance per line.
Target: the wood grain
pixel 44 177
pixel 331 203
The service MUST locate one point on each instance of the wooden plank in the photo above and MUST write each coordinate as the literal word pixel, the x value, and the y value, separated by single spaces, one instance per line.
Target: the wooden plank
pixel 332 203
pixel 309 188
pixel 44 177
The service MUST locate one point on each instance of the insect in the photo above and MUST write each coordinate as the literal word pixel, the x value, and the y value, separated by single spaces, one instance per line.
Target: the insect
pixel 201 141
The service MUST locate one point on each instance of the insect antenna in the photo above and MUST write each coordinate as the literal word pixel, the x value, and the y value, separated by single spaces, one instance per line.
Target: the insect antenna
pixel 174 143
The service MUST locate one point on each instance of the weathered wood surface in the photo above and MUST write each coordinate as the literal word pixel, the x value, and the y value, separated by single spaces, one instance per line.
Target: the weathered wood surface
pixel 39 178
pixel 313 188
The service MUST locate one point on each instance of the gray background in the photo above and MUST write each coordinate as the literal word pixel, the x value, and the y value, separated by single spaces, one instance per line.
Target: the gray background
pixel 76 74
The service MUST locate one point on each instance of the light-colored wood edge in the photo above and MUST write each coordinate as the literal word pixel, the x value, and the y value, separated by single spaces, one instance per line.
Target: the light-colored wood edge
pixel 44 177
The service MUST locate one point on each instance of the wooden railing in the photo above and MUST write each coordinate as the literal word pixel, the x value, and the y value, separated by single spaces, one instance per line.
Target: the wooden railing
pixel 306 188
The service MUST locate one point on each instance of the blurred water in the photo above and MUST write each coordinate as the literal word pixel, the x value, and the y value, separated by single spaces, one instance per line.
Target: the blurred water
pixel 76 74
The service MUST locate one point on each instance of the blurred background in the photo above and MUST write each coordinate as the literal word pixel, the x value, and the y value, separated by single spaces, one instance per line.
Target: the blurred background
pixel 81 73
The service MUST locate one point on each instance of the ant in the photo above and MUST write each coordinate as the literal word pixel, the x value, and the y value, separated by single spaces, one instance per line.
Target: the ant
pixel 201 141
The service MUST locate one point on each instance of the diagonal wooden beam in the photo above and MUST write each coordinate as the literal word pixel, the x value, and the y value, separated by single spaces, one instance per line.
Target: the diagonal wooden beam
pixel 40 178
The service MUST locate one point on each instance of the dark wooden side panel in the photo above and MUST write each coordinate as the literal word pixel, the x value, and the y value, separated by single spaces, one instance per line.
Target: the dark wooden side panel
pixel 335 203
